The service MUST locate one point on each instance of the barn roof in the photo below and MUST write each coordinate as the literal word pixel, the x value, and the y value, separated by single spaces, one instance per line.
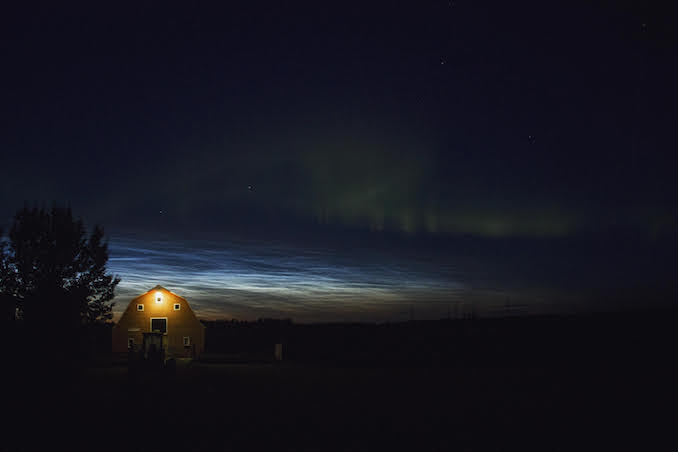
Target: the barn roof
pixel 159 287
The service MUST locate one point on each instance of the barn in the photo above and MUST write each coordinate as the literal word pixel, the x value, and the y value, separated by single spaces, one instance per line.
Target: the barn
pixel 160 310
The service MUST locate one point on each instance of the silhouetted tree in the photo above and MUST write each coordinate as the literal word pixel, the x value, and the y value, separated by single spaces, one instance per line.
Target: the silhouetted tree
pixel 97 287
pixel 58 274
pixel 7 300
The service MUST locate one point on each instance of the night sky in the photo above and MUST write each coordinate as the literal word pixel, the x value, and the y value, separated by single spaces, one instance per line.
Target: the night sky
pixel 367 161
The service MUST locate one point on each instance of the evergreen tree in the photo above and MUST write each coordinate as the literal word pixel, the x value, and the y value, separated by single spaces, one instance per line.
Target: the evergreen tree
pixel 59 275
pixel 97 286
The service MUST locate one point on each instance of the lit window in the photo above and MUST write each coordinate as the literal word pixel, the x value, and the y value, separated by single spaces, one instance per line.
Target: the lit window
pixel 187 341
pixel 177 306
pixel 140 307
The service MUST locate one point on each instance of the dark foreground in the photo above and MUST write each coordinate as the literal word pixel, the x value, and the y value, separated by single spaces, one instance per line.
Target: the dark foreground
pixel 619 394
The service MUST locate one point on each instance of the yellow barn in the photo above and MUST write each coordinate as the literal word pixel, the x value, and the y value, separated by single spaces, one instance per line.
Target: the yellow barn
pixel 160 310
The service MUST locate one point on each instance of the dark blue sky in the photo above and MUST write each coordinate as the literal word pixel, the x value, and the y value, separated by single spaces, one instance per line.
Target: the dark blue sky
pixel 472 151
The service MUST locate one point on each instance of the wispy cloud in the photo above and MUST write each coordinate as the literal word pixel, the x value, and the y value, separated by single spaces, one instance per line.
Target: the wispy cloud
pixel 253 280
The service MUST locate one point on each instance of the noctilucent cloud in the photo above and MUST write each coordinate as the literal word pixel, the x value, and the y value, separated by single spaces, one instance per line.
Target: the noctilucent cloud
pixel 248 279
pixel 251 280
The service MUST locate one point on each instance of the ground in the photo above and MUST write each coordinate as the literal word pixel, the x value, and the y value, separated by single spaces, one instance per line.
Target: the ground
pixel 311 407
pixel 576 383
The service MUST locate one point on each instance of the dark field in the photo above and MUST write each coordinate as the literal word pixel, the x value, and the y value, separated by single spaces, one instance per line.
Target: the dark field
pixel 607 390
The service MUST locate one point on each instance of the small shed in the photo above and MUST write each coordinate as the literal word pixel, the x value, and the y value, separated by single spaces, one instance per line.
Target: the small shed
pixel 160 310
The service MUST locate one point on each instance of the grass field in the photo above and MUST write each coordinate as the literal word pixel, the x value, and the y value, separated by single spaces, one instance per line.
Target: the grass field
pixel 295 407
pixel 486 389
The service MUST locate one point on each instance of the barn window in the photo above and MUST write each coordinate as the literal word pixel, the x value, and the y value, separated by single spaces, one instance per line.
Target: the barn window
pixel 187 341
pixel 140 307
pixel 130 343
pixel 159 324
pixel 177 306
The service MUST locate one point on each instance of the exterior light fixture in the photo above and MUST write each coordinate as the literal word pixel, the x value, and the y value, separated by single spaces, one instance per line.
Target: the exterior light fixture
pixel 158 297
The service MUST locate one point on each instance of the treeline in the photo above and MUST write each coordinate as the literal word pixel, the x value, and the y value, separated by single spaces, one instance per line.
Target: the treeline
pixel 593 339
